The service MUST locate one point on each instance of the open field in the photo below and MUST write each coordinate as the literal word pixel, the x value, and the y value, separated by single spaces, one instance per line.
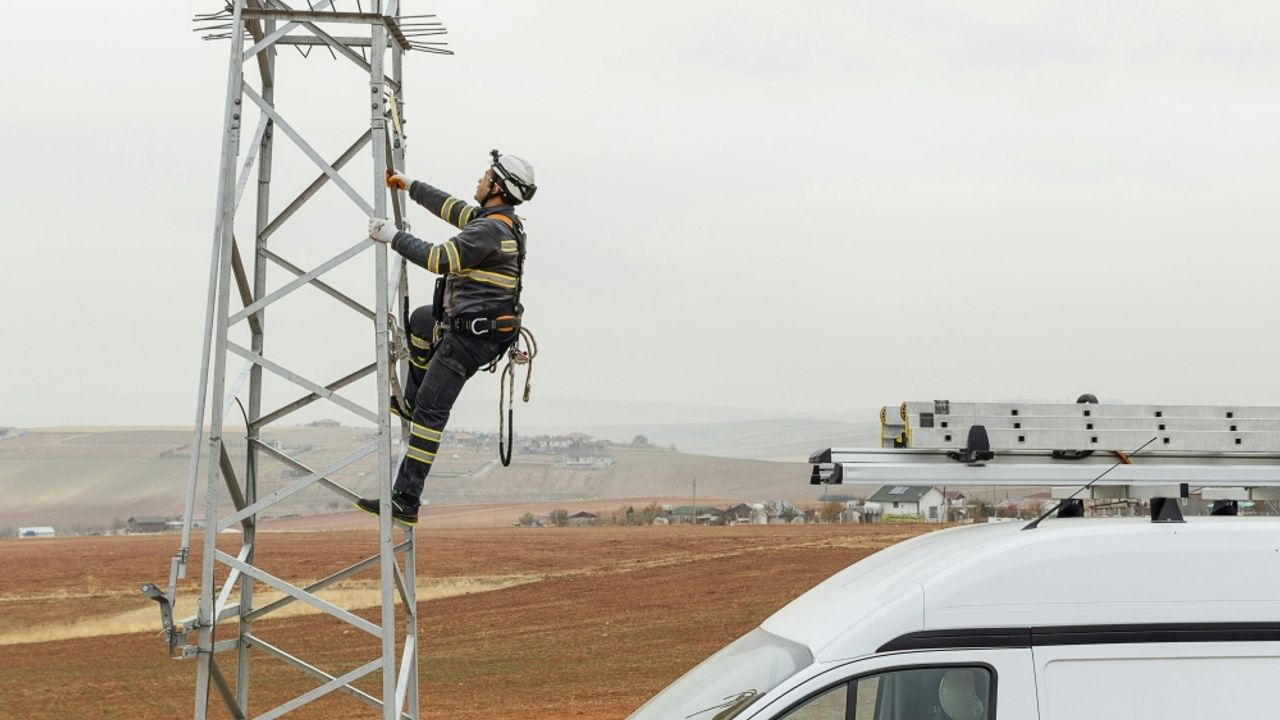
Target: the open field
pixel 581 623
pixel 488 515
pixel 92 479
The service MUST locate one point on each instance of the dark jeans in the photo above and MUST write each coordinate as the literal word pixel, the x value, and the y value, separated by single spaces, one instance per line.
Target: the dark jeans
pixel 437 372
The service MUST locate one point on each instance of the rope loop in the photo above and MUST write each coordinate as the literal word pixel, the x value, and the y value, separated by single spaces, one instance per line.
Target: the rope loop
pixel 507 391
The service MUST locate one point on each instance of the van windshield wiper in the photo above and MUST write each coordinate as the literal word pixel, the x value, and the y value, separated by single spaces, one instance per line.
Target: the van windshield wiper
pixel 731 706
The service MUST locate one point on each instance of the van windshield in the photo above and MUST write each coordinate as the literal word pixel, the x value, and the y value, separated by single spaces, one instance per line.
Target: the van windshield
pixel 726 683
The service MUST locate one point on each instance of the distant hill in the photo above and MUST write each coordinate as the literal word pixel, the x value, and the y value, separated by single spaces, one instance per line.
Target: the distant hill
pixel 731 432
pixel 476 411
pixel 94 478
pixel 785 440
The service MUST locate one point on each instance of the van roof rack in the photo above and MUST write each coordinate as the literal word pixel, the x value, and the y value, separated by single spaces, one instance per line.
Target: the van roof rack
pixel 1226 453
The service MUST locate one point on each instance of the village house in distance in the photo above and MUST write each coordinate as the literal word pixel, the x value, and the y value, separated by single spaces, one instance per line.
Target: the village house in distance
pixel 915 502
pixel 888 504
pixel 909 504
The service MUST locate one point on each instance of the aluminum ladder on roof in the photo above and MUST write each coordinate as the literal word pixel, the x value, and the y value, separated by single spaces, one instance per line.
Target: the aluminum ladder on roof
pixel 1227 453
pixel 1088 426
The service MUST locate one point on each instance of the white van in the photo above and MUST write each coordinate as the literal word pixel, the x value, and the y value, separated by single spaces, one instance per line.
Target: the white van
pixel 1076 619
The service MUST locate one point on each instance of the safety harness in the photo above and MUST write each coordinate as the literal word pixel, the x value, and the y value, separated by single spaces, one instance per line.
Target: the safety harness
pixel 515 356
pixel 506 322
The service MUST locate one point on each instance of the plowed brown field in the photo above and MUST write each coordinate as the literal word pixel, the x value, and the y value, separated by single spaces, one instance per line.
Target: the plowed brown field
pixel 587 623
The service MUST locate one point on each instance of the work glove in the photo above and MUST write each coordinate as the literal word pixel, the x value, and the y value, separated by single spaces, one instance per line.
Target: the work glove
pixel 382 230
pixel 398 181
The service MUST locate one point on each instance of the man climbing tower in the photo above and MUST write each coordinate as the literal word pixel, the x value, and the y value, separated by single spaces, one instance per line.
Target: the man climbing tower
pixel 475 314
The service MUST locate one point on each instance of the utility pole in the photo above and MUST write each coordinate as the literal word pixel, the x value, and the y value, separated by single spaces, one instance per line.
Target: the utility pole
pixel 695 501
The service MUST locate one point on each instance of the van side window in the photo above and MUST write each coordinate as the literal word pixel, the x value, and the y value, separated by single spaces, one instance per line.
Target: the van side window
pixel 921 693
pixel 928 693
pixel 830 704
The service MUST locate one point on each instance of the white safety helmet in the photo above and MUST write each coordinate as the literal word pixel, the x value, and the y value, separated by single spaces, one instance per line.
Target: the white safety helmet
pixel 515 176
pixel 958 696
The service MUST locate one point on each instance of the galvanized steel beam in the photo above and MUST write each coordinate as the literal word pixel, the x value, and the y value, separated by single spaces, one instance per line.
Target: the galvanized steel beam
pixel 325 689
pixel 270 22
pixel 313 671
pixel 309 151
pixel 308 399
pixel 297 379
pixel 302 483
pixel 299 594
pixel 272 37
pixel 326 582
pixel 302 279
pixel 321 286
pixel 315 185
pixel 293 463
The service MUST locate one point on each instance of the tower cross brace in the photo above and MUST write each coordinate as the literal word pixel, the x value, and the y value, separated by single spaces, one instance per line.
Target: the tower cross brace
pixel 223 627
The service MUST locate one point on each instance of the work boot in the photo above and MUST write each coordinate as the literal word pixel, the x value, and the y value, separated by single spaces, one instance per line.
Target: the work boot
pixel 395 408
pixel 400 511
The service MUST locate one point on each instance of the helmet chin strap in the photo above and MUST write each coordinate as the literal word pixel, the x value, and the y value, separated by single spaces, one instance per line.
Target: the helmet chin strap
pixel 494 191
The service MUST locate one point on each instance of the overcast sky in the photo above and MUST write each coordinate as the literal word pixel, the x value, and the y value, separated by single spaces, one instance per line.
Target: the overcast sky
pixel 802 208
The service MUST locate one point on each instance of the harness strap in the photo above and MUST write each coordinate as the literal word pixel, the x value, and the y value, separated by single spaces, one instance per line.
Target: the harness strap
pixel 479 325
pixel 505 220
pixel 517 228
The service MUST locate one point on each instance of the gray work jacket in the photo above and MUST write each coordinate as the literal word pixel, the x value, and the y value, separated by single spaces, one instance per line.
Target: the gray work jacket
pixel 482 262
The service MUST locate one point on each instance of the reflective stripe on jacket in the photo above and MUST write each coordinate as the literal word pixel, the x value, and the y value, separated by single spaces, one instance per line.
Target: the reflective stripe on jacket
pixel 482 261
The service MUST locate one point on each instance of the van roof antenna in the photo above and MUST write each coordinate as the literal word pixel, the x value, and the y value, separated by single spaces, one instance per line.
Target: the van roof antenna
pixel 1124 460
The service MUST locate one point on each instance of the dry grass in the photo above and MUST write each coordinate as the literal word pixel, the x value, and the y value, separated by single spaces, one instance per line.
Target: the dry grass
pixel 359 595
pixel 596 621
pixel 351 596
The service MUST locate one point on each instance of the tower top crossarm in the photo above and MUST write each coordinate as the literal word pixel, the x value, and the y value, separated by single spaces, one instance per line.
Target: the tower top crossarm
pixel 305 29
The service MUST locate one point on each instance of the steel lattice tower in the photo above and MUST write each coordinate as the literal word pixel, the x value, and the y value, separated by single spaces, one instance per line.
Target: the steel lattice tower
pixel 376 41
